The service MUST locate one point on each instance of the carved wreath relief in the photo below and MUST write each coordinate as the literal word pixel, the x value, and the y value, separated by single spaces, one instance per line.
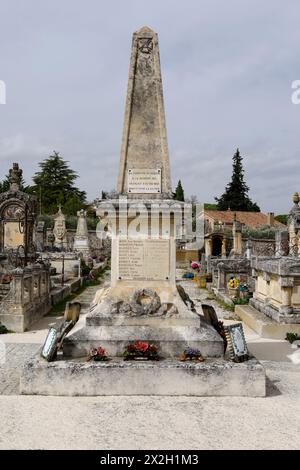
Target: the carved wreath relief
pixel 13 212
pixel 143 302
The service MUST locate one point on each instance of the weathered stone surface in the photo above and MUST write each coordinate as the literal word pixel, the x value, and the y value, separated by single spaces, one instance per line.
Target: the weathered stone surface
pixel 59 230
pixel 277 292
pixel 168 377
pixel 264 326
pixel 171 340
pixel 28 298
pixel 144 144
pixel 14 204
pixel 284 266
pixel 81 239
pixel 274 313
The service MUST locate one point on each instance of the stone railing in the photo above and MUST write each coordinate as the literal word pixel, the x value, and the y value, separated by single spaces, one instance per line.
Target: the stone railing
pixel 28 298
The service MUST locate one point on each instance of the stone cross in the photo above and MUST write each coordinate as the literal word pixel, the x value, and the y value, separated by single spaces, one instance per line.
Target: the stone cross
pixel 15 176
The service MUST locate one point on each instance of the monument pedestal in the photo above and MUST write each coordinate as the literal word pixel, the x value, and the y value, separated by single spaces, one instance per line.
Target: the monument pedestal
pixel 214 377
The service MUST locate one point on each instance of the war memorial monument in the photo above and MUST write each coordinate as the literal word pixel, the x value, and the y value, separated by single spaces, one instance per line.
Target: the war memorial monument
pixel 143 302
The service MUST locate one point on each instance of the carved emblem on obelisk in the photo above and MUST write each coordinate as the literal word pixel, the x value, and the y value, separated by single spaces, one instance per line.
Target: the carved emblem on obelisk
pixel 145 45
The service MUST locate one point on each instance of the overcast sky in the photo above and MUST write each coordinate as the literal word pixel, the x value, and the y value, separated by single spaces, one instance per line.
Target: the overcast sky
pixel 227 69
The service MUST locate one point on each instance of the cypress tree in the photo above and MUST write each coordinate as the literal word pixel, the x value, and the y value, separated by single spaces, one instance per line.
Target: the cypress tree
pixel 179 192
pixel 236 196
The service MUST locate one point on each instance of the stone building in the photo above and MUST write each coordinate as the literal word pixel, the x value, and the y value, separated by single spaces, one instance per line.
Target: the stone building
pixel 219 226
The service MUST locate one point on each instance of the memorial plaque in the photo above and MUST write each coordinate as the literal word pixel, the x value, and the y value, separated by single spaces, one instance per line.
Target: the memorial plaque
pixel 237 346
pixel 144 181
pixel 12 235
pixel 144 259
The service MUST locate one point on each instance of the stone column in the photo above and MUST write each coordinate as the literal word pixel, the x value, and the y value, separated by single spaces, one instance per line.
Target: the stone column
pixel 281 243
pixel 223 247
pixel 28 282
pixel 254 274
pixel 17 286
pixel 203 264
pixel 209 247
pixel 237 237
pixel 221 277
pixel 36 278
pixel 286 284
pixel 248 249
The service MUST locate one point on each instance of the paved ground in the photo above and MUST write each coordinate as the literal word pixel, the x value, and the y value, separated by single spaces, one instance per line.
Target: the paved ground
pixel 30 422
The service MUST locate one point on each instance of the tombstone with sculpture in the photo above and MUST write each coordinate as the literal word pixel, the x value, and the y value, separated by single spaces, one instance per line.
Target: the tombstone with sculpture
pixel 18 211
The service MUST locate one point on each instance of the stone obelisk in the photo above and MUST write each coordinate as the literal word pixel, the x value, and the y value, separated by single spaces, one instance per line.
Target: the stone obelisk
pixel 144 152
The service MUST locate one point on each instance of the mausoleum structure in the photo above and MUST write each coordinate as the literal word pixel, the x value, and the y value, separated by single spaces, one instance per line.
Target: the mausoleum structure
pixel 275 307
pixel 277 286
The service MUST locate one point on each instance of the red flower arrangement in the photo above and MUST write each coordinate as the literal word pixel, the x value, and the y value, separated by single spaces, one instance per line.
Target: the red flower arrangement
pixel 141 350
pixel 98 354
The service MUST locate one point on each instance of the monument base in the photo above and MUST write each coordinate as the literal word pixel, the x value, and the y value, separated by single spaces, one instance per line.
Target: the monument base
pixel 214 377
pixel 115 320
pixel 170 340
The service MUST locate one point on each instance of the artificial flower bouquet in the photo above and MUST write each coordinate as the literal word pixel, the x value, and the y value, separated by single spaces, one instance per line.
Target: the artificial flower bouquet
pixel 191 354
pixel 98 354
pixel 141 350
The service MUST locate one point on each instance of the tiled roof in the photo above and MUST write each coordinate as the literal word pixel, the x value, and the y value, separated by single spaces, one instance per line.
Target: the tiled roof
pixel 250 219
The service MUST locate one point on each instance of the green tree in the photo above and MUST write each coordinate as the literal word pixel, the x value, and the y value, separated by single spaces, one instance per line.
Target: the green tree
pixel 179 192
pixel 236 196
pixel 210 207
pixel 5 185
pixel 282 218
pixel 54 184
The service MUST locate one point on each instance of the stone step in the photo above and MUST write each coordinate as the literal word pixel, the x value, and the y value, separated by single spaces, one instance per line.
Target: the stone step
pixel 214 377
pixel 171 341
pixel 263 325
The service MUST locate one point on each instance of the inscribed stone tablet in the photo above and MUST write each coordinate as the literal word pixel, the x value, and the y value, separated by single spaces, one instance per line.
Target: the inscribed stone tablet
pixel 144 259
pixel 144 181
